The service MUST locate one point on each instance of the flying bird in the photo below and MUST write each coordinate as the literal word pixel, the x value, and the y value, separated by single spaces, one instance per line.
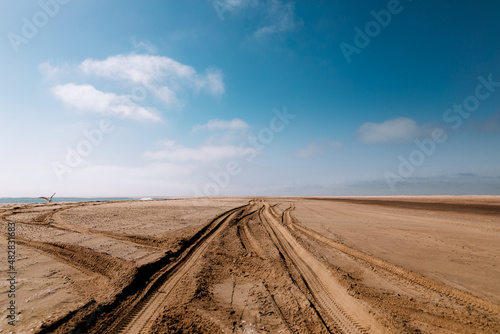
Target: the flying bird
pixel 48 199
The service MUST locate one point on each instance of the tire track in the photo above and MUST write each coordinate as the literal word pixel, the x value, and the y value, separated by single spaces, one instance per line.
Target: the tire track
pixel 414 278
pixel 43 218
pixel 81 258
pixel 138 240
pixel 151 302
pixel 345 312
pixel 249 242
pixel 278 308
pixel 105 317
pixel 53 219
pixel 293 274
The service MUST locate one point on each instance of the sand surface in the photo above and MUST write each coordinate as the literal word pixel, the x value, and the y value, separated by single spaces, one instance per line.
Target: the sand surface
pixel 244 265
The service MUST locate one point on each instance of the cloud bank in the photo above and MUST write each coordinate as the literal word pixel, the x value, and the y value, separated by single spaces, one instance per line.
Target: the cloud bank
pixel 218 124
pixel 175 153
pixel 309 151
pixel 398 130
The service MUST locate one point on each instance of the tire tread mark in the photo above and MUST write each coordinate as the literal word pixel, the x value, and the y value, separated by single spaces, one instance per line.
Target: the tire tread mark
pixel 138 320
pixel 459 295
pixel 315 285
pixel 249 242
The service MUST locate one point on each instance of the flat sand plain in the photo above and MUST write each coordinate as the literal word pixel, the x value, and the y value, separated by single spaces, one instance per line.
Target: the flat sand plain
pixel 256 265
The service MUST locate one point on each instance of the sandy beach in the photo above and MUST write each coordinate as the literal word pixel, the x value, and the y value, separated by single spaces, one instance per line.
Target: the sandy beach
pixel 256 265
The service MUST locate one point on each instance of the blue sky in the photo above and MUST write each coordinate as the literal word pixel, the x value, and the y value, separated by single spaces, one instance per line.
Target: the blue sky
pixel 249 97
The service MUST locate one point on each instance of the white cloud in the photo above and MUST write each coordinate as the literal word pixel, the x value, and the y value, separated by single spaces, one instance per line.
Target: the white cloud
pixel 314 150
pixel 398 130
pixel 175 153
pixel 52 73
pixel 87 98
pixel 144 45
pixel 166 96
pixel 212 82
pixel 232 6
pixel 281 19
pixel 335 143
pixel 309 151
pixel 162 78
pixel 240 3
pixel 139 69
pixel 219 124
pixel 490 124
pixel 276 16
pixel 167 143
pixel 156 72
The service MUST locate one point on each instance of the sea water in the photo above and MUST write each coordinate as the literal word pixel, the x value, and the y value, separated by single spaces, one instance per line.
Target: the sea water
pixel 23 200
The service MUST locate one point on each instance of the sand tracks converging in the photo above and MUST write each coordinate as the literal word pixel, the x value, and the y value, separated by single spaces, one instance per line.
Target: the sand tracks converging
pixel 344 312
pixel 336 309
pixel 139 319
pixel 252 267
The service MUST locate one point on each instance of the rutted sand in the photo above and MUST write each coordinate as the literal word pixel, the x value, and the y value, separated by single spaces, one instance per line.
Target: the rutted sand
pixel 290 265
